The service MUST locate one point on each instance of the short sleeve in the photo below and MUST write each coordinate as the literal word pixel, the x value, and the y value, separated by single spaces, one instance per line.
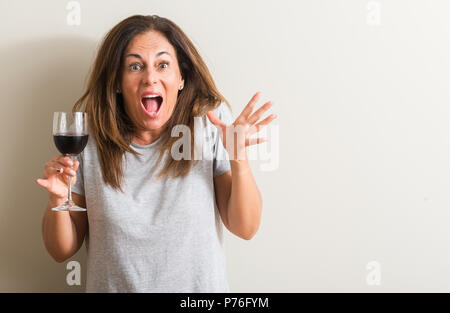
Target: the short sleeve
pixel 79 185
pixel 221 163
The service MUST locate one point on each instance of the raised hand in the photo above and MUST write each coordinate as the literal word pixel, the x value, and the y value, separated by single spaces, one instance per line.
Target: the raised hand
pixel 245 125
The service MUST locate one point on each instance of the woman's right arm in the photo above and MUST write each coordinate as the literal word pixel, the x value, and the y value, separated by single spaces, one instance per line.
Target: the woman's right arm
pixel 62 231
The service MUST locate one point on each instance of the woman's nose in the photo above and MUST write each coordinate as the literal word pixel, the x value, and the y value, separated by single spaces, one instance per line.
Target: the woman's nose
pixel 150 76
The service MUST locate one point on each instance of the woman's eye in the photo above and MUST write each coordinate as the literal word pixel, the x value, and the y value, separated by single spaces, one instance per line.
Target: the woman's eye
pixel 138 67
pixel 135 67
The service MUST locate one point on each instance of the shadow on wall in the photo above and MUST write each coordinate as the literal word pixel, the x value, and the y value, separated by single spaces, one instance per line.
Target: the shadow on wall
pixel 38 78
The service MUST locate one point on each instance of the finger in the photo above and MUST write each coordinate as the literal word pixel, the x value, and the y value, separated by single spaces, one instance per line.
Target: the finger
pixel 42 182
pixel 257 115
pixel 249 107
pixel 70 172
pixel 255 141
pixel 215 120
pixel 53 169
pixel 67 170
pixel 66 161
pixel 61 161
pixel 256 128
pixel 70 169
pixel 56 168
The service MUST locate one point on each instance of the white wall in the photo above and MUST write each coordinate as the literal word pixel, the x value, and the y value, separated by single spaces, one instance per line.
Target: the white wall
pixel 361 93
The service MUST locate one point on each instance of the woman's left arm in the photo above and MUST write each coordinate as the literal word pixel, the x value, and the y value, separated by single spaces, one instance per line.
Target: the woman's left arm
pixel 238 198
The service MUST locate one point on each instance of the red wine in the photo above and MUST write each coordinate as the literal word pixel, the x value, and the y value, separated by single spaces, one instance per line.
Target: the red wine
pixel 70 144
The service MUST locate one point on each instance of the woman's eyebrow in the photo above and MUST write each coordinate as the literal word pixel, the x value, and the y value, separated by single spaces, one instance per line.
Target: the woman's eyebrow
pixel 140 57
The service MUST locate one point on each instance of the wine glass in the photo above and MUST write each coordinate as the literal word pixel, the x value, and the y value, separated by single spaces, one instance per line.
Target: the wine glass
pixel 70 134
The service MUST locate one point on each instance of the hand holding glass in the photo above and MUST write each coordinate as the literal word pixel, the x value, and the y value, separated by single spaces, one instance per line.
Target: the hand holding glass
pixel 70 134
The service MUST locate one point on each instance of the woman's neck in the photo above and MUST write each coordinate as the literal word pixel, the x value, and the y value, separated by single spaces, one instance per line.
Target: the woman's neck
pixel 147 137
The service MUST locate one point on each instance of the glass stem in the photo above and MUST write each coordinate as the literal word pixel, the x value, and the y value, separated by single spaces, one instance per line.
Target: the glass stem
pixel 69 195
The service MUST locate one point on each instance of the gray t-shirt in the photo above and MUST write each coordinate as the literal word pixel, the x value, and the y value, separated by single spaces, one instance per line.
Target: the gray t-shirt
pixel 161 235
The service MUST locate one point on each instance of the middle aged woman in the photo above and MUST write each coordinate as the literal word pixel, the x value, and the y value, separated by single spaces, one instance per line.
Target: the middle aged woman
pixel 153 220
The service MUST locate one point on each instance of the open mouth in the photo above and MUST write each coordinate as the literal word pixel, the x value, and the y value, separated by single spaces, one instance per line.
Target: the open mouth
pixel 152 105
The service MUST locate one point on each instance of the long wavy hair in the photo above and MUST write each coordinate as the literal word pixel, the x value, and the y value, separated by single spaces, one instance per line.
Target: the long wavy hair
pixel 109 124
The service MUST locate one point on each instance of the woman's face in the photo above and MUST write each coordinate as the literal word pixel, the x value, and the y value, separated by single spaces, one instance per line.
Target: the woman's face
pixel 150 81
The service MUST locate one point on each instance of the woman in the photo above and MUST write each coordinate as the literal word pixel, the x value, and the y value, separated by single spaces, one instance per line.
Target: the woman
pixel 154 221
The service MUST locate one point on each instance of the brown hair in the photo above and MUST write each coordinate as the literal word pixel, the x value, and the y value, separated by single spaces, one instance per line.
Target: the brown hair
pixel 110 126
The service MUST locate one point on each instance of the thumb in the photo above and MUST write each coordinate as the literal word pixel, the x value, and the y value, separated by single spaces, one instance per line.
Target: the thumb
pixel 214 119
pixel 42 182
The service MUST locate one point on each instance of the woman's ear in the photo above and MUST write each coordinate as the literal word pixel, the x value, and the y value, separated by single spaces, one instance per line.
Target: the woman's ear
pixel 181 86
